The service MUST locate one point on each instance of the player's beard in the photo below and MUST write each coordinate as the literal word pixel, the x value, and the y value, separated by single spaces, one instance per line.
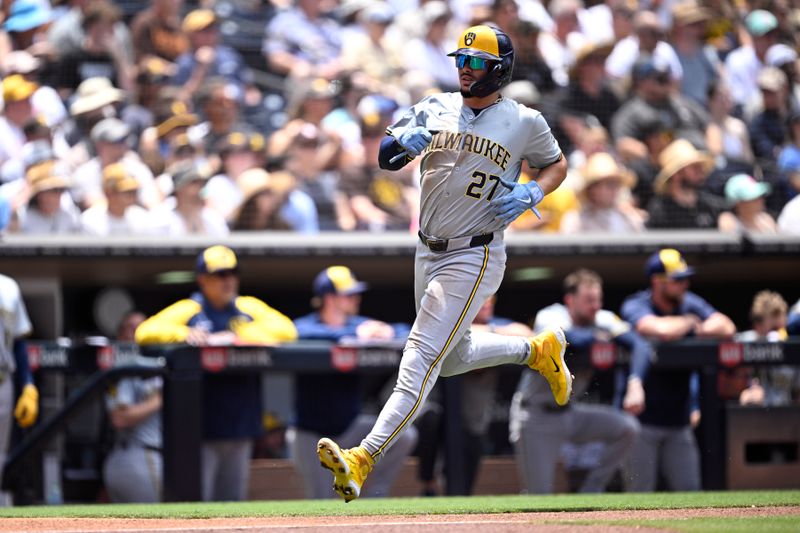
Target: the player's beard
pixel 466 93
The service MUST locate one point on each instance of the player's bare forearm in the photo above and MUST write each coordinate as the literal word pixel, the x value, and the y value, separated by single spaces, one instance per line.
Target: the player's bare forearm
pixel 551 176
pixel 717 326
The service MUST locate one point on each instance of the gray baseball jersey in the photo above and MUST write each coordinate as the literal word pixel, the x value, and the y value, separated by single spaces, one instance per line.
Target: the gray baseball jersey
pixel 14 321
pixel 461 171
pixel 462 166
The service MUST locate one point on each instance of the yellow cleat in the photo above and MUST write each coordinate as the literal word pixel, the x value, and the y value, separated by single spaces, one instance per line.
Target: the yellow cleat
pixel 547 358
pixel 350 467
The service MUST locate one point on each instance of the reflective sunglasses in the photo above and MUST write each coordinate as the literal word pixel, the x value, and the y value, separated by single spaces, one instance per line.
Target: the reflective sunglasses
pixel 475 63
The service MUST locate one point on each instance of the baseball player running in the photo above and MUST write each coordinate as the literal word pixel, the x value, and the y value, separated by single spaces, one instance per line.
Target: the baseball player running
pixel 472 145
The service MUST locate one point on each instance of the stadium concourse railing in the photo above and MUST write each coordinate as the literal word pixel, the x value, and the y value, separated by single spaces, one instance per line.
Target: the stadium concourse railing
pixel 183 367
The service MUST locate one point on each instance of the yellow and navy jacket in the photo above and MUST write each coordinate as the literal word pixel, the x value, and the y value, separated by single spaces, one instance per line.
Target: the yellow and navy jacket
pixel 231 403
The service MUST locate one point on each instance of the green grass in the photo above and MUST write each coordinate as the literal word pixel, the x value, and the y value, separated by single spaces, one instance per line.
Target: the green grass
pixel 771 524
pixel 403 506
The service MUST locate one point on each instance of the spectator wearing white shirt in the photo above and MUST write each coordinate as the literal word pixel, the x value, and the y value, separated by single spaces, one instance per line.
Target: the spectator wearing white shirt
pixel 238 152
pixel 110 140
pixel 647 39
pixel 429 52
pixel 47 212
pixel 18 109
pixel 186 213
pixel 45 100
pixel 119 214
pixel 789 219
pixel 559 46
pixel 744 63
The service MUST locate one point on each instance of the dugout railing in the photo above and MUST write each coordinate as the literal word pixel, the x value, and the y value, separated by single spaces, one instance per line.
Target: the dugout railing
pixel 182 368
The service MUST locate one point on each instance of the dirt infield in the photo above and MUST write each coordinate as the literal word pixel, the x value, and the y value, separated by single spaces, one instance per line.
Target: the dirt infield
pixel 503 523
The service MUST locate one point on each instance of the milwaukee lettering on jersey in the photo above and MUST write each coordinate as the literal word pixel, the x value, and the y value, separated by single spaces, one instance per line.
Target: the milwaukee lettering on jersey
pixel 449 140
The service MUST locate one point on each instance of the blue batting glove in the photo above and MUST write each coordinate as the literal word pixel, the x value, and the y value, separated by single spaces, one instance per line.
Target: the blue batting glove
pixel 414 140
pixel 521 198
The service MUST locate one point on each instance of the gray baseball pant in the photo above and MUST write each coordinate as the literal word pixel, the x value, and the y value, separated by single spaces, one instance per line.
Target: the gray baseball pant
pixel 133 475
pixel 542 434
pixel 672 452
pixel 449 288
pixel 226 469
pixel 317 482
pixel 6 419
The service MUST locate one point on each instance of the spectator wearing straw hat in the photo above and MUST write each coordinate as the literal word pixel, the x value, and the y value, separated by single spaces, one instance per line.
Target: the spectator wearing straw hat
pixel 94 100
pixel 588 92
pixel 186 212
pixel 605 184
pixel 48 210
pixel 680 200
pixel 746 196
pixel 119 214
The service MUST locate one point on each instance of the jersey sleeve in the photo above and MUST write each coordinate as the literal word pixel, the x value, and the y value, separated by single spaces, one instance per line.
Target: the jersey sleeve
pixel 22 324
pixel 170 326
pixel 635 308
pixel 268 326
pixel 542 148
pixel 698 306
pixel 415 116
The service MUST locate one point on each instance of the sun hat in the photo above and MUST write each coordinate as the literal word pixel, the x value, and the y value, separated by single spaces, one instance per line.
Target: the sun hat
pixel 602 166
pixel 685 13
pixel 47 176
pixel 678 155
pixel 26 15
pixel 95 93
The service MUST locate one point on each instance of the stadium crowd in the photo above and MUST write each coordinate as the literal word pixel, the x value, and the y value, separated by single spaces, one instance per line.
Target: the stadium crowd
pixel 178 118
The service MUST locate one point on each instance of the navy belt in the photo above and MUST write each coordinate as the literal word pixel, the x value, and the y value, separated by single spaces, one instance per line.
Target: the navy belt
pixel 447 245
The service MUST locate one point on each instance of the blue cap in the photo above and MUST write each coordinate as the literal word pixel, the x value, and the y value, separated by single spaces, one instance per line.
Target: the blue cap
pixel 216 259
pixel 337 280
pixel 27 14
pixel 668 262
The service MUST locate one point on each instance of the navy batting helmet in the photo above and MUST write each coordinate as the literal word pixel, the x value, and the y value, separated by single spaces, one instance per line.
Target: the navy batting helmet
pixel 493 45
